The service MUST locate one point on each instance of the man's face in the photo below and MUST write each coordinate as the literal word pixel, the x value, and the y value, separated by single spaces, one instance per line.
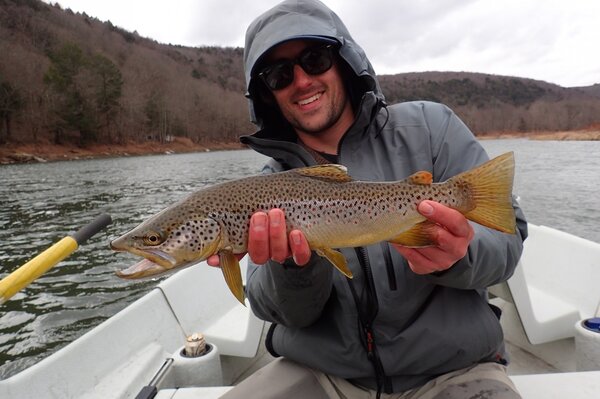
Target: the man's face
pixel 312 104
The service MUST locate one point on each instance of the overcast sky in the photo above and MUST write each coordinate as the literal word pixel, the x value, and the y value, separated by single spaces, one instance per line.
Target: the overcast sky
pixel 555 41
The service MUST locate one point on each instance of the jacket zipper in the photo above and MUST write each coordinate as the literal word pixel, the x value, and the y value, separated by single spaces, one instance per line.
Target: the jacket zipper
pixel 389 266
pixel 366 317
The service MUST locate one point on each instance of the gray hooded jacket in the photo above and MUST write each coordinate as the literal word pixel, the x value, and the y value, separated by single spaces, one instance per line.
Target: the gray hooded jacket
pixel 387 328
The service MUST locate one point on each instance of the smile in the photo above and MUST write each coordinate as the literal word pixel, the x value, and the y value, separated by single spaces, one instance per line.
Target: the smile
pixel 310 99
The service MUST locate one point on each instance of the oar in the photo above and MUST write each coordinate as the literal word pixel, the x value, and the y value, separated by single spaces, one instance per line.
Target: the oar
pixel 39 265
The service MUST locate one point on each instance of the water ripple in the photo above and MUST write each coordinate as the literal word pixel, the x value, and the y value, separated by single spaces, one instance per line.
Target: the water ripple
pixel 41 203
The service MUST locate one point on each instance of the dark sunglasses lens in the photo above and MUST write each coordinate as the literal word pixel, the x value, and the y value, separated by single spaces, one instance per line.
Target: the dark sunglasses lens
pixel 313 61
pixel 316 61
pixel 279 75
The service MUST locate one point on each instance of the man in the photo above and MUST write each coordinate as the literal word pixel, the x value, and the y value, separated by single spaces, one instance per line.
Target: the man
pixel 412 322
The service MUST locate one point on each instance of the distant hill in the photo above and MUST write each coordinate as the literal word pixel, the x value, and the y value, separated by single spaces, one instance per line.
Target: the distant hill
pixel 69 77
pixel 164 90
pixel 593 90
pixel 500 103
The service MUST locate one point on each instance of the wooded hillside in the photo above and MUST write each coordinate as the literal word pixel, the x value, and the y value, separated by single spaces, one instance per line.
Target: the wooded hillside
pixel 500 103
pixel 67 77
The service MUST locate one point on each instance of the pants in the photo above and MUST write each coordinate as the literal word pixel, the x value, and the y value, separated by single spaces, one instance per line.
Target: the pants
pixel 284 378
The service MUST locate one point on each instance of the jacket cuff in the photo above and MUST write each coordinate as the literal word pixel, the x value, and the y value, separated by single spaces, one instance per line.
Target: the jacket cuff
pixel 269 341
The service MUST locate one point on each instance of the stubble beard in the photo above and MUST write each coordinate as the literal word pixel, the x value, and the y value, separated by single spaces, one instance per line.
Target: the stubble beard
pixel 333 115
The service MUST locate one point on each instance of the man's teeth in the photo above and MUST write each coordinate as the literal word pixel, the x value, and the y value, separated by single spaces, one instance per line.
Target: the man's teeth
pixel 310 99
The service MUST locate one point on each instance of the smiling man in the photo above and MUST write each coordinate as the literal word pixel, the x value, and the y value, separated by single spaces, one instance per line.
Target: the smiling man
pixel 315 104
pixel 413 322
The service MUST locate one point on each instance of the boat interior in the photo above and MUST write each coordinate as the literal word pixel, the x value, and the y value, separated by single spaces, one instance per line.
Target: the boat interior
pixel 138 351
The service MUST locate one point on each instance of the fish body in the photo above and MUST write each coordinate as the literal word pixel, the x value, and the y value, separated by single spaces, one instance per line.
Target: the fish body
pixel 325 203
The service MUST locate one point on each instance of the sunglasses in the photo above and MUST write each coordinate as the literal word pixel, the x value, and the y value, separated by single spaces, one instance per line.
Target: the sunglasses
pixel 313 60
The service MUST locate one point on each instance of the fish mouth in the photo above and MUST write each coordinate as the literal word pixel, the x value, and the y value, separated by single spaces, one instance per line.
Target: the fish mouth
pixel 148 268
pixel 155 262
pixel 144 268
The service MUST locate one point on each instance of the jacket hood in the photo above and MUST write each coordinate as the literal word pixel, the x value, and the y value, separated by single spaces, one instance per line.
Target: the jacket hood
pixel 301 19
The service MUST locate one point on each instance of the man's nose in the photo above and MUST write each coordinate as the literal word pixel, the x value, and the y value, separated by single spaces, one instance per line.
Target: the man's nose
pixel 301 78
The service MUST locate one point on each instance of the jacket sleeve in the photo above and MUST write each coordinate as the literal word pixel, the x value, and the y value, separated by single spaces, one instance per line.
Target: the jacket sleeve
pixel 492 256
pixel 288 294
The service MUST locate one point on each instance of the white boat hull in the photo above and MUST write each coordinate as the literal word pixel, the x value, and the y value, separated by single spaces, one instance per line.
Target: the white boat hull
pixel 123 354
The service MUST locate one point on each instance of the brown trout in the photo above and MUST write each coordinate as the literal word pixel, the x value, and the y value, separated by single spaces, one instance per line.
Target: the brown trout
pixel 325 203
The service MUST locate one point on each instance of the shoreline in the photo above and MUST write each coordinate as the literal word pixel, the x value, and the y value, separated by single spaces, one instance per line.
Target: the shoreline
pixel 16 153
pixel 565 135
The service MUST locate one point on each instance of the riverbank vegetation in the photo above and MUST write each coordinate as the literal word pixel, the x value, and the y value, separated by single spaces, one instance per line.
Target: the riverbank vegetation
pixel 74 86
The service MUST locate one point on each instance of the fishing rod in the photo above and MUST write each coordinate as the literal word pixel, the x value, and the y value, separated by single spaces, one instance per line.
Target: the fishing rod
pixel 43 262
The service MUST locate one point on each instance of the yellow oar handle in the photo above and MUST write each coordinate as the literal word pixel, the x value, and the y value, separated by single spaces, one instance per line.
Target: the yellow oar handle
pixel 39 265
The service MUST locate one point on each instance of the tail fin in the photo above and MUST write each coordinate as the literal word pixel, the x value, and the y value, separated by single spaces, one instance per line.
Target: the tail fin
pixel 491 188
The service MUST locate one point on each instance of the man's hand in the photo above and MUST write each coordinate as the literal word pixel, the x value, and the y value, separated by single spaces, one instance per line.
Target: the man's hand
pixel 452 235
pixel 267 239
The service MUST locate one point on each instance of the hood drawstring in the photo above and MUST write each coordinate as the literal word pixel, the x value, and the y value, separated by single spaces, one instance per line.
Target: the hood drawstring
pixel 387 117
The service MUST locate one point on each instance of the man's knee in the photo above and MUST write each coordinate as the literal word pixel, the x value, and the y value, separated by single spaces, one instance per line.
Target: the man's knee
pixel 479 389
pixel 281 378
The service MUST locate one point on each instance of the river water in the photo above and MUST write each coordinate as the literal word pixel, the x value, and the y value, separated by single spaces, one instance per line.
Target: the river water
pixel 558 183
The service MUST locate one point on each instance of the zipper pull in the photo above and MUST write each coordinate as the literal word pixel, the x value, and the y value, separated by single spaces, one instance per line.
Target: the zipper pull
pixel 370 343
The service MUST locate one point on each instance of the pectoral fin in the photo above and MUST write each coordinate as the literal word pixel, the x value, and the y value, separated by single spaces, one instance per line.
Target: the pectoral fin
pixel 233 276
pixel 417 236
pixel 337 259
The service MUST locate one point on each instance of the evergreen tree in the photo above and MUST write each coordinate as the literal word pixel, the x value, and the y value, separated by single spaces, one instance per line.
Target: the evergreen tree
pixel 86 91
pixel 109 84
pixel 11 102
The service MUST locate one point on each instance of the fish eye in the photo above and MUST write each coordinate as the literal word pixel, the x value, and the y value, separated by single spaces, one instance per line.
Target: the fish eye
pixel 152 238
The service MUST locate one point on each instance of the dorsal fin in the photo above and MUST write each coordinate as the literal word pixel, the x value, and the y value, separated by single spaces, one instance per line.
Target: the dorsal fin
pixel 421 177
pixel 331 172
